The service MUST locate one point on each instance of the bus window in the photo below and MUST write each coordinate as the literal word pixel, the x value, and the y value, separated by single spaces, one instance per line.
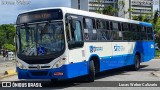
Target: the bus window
pixel 111 26
pixel 90 31
pixel 107 25
pixel 134 27
pixel 116 31
pixel 76 34
pixel 101 24
pixel 143 33
pixel 117 35
pixel 103 30
pixel 149 30
pixel 94 35
pixel 119 27
pixel 149 33
pixel 142 29
pixel 125 27
pixel 115 26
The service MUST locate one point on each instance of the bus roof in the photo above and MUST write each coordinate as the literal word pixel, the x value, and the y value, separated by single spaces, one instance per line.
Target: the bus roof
pixel 145 24
pixel 92 14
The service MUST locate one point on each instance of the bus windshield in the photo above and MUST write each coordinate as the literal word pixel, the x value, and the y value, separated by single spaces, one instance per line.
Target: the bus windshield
pixel 41 39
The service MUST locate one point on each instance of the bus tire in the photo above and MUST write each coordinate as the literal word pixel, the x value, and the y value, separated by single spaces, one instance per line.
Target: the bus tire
pixel 136 65
pixel 91 75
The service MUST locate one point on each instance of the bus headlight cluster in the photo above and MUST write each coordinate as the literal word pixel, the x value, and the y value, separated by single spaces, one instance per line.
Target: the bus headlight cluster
pixel 20 65
pixel 59 63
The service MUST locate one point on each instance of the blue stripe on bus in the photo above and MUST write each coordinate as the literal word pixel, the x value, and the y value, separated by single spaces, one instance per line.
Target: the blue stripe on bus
pixel 146 24
pixel 106 63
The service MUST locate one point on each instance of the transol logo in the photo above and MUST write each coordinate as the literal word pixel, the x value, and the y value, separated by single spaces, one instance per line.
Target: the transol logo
pixel 94 49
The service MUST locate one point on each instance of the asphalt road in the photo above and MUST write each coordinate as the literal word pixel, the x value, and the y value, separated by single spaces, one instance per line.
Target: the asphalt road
pixel 3 60
pixel 122 74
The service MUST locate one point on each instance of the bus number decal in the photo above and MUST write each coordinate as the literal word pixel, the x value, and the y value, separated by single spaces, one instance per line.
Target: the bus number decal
pixel 119 48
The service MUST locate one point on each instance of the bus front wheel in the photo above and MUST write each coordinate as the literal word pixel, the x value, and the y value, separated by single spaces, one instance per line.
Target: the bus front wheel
pixel 91 75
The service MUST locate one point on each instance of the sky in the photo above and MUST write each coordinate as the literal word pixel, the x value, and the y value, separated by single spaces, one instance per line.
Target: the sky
pixel 9 9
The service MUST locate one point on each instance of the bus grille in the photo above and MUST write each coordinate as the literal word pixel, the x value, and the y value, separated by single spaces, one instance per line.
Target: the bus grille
pixel 35 67
pixel 40 73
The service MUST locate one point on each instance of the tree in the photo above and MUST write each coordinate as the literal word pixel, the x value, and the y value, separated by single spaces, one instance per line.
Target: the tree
pixel 7 33
pixel 9 47
pixel 125 12
pixel 100 8
pixel 144 17
pixel 156 17
pixel 109 10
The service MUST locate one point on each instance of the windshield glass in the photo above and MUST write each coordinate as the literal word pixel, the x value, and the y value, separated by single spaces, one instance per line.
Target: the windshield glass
pixel 41 39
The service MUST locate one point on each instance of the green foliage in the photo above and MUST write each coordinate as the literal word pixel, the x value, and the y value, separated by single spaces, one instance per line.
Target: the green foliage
pixel 157 53
pixel 7 33
pixel 9 47
pixel 144 18
pixel 157 31
pixel 109 10
pixel 155 17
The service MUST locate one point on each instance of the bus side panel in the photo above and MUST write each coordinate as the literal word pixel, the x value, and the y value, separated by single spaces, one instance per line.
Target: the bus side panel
pixel 101 49
pixel 146 50
pixel 77 69
pixel 117 61
pixel 77 63
pixel 149 51
pixel 114 54
pixel 123 53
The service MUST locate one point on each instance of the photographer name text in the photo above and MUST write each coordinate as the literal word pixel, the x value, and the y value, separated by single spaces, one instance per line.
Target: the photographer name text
pixel 138 85
pixel 15 2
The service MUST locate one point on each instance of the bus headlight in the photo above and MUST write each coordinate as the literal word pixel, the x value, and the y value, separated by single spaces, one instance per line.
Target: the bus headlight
pixel 59 63
pixel 18 64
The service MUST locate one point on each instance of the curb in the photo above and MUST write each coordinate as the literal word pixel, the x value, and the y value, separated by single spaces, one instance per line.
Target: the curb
pixel 8 73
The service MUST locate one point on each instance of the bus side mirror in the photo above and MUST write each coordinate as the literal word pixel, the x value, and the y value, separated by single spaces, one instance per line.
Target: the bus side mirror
pixel 75 44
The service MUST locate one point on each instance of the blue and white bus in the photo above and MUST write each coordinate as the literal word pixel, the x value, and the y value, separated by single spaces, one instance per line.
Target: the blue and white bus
pixel 63 43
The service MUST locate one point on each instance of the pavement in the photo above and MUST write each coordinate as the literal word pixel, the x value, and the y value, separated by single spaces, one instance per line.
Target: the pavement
pixel 149 71
pixel 7 68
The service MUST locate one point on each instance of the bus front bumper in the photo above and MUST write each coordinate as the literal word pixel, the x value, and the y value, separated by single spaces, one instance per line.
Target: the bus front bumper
pixel 42 74
pixel 63 72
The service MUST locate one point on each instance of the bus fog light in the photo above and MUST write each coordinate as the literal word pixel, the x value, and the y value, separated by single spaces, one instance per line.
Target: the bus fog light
pixel 59 63
pixel 58 73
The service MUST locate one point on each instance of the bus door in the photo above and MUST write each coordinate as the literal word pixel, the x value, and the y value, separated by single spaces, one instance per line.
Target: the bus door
pixel 75 44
